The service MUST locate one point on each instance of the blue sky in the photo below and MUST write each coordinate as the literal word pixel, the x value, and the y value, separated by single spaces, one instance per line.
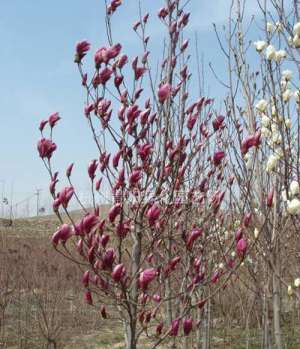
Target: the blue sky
pixel 38 77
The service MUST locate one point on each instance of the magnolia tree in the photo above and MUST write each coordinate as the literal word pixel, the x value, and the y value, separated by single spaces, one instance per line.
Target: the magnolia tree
pixel 263 109
pixel 158 255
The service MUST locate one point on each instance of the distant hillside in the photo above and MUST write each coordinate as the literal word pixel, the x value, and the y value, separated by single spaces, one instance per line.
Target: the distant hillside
pixel 39 226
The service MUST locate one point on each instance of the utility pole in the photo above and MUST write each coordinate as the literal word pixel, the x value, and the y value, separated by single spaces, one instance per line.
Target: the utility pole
pixel 38 191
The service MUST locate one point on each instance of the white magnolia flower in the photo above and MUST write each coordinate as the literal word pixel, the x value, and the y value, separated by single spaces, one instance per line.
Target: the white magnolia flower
pixel 297 282
pixel 274 110
pixel 261 105
pixel 249 164
pixel 290 290
pixel 287 74
pixel 284 84
pixel 270 27
pixel 256 233
pixel 271 163
pixel 276 138
pixel 279 153
pixel 221 266
pixel 260 45
pixel 274 127
pixel 293 206
pixel 265 121
pixel 294 188
pixel 288 123
pixel 283 196
pixel 297 95
pixel 287 94
pixel 296 40
pixel 279 55
pixel 265 132
pixel 233 254
pixel 247 157
pixel 297 28
pixel 270 52
pixel 280 119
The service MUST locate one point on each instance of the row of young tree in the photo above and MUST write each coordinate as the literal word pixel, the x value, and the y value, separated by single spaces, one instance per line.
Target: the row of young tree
pixel 200 199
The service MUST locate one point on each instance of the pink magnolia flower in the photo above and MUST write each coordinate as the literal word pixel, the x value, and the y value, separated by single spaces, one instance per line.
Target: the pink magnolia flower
pixel 53 119
pixel 187 326
pixel 238 234
pixel 56 204
pixel 82 48
pixel 174 328
pixel 146 277
pixel 215 277
pixel 145 151
pixel 108 258
pixel 53 183
pixel 87 224
pixel 163 12
pixel 105 75
pixel 98 184
pixel 43 123
pixel 173 262
pixel 218 122
pixel 118 272
pixel 46 148
pixel 159 329
pixel 101 57
pixel 88 109
pixel 118 81
pixel 164 92
pixel 88 297
pixel 122 61
pixel 92 169
pixel 139 72
pixel 116 159
pixel 114 51
pixel 69 170
pixel 251 141
pixel 123 229
pixel 184 45
pixel 114 212
pixel 104 161
pixel 135 177
pixel 241 247
pixel 153 214
pixel 113 6
pixel 104 240
pixel 121 179
pixel 218 157
pixel 144 116
pixel 247 219
pixel 86 278
pixel 217 200
pixel 62 234
pixel 156 298
pixel 191 121
pixel 193 236
pixel 132 113
pixel 184 20
pixel 65 196
pixel 270 198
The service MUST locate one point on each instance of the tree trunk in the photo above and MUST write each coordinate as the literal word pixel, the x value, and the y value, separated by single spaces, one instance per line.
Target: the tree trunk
pixel 277 312
pixel 206 327
pixel 130 333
